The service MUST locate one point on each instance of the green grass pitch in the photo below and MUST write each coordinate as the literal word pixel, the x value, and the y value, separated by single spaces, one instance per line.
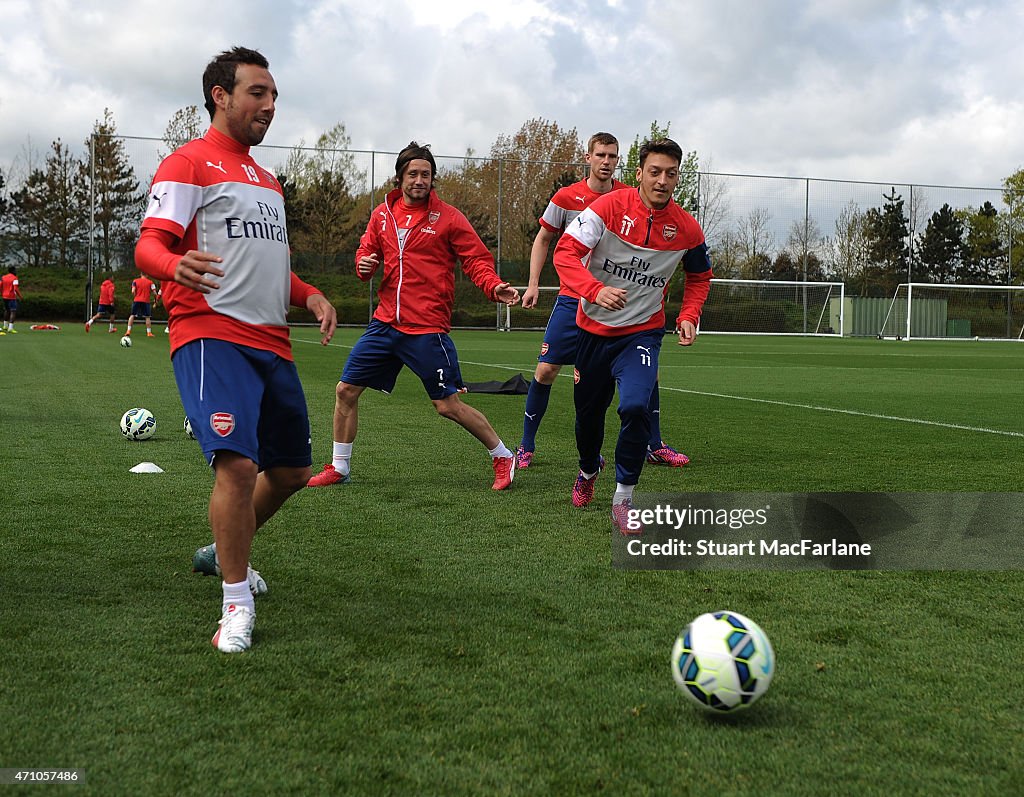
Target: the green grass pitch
pixel 424 635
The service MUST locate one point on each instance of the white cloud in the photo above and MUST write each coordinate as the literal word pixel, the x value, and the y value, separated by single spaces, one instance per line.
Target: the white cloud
pixel 853 89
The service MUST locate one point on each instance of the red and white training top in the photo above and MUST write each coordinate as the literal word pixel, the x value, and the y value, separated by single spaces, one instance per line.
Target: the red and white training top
pixel 563 208
pixel 620 242
pixel 417 248
pixel 210 195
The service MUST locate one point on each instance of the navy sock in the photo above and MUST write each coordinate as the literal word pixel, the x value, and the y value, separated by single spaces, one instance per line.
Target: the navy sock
pixel 536 406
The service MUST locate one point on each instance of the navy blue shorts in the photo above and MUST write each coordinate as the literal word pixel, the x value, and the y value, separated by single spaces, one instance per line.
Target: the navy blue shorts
pixel 141 309
pixel 380 353
pixel 246 400
pixel 559 346
pixel 105 308
pixel 11 304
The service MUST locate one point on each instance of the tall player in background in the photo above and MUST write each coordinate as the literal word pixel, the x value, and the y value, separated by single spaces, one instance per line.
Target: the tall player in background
pixel 559 345
pixel 619 256
pixel 215 232
pixel 416 238
pixel 143 290
pixel 105 306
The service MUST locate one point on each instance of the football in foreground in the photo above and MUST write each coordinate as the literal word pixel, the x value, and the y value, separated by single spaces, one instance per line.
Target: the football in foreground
pixel 138 424
pixel 188 429
pixel 126 342
pixel 723 661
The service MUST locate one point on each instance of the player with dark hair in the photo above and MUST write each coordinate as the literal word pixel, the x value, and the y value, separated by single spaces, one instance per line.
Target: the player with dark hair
pixel 105 306
pixel 215 233
pixel 10 292
pixel 143 289
pixel 619 255
pixel 417 238
pixel 559 345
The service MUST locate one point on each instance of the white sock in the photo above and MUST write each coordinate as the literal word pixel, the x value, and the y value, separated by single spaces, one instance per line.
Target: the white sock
pixel 239 595
pixel 623 493
pixel 341 456
pixel 500 451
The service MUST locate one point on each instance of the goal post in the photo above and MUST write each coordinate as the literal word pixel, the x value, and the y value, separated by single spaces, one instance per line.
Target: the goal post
pixel 930 311
pixel 535 318
pixel 774 307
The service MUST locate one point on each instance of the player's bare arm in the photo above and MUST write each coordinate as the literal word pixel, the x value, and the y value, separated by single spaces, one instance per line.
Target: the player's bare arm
pixel 325 313
pixel 611 298
pixel 507 294
pixel 687 333
pixel 538 254
pixel 367 265
pixel 193 269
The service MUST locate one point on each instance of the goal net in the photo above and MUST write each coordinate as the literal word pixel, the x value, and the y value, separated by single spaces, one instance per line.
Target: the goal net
pixel 773 307
pixel 943 312
pixel 519 318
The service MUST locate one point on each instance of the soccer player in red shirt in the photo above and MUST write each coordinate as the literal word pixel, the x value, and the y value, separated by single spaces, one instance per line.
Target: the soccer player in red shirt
pixel 105 306
pixel 10 293
pixel 418 238
pixel 559 345
pixel 619 256
pixel 215 233
pixel 142 293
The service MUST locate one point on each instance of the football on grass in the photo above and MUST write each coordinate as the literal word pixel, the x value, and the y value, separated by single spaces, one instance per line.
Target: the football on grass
pixel 126 342
pixel 138 424
pixel 723 661
pixel 188 429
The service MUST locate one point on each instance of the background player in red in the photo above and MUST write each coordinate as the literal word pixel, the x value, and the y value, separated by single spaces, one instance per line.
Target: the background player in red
pixel 559 345
pixel 11 293
pixel 143 290
pixel 619 255
pixel 227 293
pixel 418 238
pixel 105 306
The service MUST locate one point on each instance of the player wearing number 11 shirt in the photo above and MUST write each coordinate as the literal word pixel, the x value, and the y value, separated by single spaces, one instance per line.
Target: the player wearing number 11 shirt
pixel 619 255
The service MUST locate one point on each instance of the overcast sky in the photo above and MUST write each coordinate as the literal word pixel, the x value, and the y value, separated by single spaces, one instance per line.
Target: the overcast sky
pixel 925 92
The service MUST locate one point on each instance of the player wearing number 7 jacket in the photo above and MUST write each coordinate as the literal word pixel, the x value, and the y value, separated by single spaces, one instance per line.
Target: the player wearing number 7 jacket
pixel 619 255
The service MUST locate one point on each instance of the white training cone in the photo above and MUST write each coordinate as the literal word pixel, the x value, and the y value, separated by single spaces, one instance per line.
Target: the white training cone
pixel 147 467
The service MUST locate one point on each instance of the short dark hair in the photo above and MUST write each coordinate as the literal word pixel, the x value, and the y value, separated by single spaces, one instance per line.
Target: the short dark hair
pixel 601 138
pixel 221 72
pixel 661 146
pixel 414 151
pixel 12 270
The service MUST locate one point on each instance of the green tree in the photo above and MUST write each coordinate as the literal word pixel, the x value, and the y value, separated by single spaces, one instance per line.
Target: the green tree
pixel 118 204
pixel 1013 198
pixel 324 217
pixel 888 253
pixel 941 251
pixel 66 207
pixel 29 239
pixel 688 191
pixel 985 259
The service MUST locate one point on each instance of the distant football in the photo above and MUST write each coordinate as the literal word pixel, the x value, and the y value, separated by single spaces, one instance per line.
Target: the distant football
pixel 188 429
pixel 126 342
pixel 138 424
